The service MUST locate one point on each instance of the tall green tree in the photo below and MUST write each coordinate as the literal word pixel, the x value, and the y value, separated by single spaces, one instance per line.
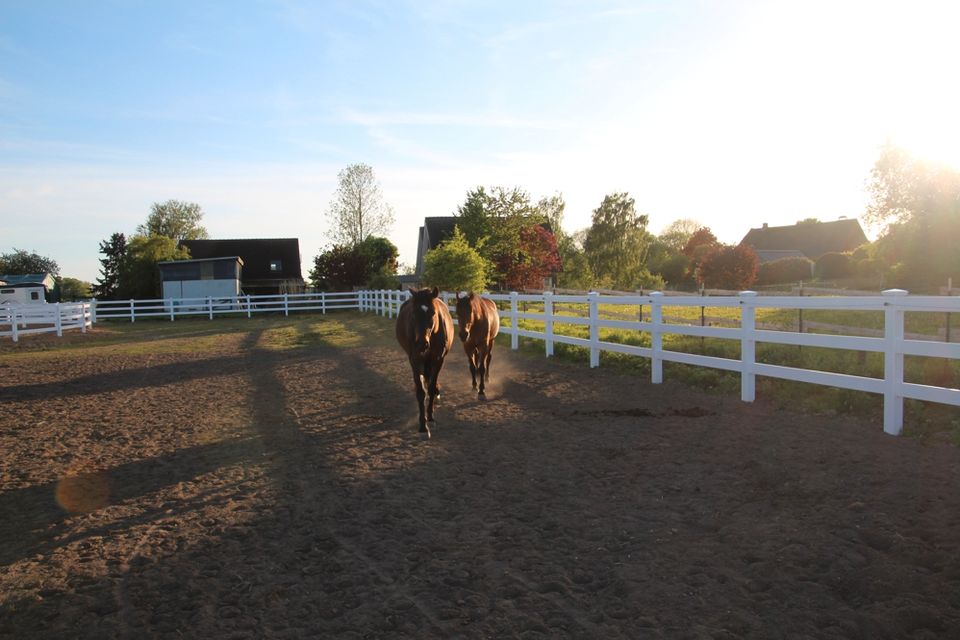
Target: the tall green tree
pixel 174 219
pixel 74 289
pixel 21 262
pixel 358 209
pixel 455 266
pixel 492 221
pixel 616 243
pixel 140 277
pixel 112 267
pixel 678 233
pixel 919 201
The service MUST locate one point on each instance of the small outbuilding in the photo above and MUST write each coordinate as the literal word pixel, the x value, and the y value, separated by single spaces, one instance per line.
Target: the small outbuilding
pixel 35 288
pixel 217 278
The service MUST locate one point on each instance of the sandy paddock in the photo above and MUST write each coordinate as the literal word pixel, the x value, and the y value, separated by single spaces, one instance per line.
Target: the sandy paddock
pixel 223 489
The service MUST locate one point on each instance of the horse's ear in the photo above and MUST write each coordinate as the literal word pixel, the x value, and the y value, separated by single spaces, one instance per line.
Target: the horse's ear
pixel 412 291
pixel 458 296
pixel 435 292
pixel 472 295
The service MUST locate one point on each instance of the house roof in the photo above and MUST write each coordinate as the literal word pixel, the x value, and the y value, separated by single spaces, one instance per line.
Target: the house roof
pixel 256 255
pixel 237 258
pixel 777 254
pixel 812 239
pixel 35 279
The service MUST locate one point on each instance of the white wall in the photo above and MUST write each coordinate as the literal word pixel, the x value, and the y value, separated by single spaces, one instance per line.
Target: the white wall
pixel 22 295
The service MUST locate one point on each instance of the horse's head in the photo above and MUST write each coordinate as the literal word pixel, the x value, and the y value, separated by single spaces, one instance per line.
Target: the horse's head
pixel 465 314
pixel 424 318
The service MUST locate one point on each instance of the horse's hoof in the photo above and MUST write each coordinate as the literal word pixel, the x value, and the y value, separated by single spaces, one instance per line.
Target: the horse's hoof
pixel 425 432
pixel 481 396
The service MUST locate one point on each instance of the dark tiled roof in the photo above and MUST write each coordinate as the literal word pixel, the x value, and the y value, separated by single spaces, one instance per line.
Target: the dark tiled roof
pixel 811 239
pixel 256 254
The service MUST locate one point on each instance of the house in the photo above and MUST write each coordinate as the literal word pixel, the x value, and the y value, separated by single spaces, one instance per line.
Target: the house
pixel 434 231
pixel 805 239
pixel 268 265
pixel 216 278
pixel 31 288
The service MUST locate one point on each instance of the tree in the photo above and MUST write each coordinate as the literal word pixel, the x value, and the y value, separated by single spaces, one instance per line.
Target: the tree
pixel 455 266
pixel 535 260
pixel 358 209
pixel 616 243
pixel 678 233
pixel 21 263
pixel 574 267
pixel 74 289
pixel 140 277
pixel 491 223
pixel 174 219
pixel 371 263
pixel 729 267
pixel 340 268
pixel 903 187
pixel 920 203
pixel 552 208
pixel 112 267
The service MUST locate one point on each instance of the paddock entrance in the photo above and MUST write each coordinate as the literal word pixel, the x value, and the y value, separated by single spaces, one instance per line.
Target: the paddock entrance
pixel 266 479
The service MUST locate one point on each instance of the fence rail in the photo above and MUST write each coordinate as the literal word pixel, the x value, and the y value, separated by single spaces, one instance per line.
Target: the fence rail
pixel 894 344
pixel 27 319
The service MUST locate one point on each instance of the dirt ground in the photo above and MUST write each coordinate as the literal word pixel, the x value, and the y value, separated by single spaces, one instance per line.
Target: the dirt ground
pixel 233 490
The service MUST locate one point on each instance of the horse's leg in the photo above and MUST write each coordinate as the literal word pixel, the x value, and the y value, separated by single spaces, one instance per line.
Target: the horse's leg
pixel 486 365
pixel 482 369
pixel 472 359
pixel 433 387
pixel 421 394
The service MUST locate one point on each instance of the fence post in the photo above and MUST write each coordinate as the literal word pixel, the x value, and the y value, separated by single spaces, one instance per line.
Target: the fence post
pixel 893 326
pixel 323 303
pixel 656 337
pixel 14 329
pixel 548 320
pixel 132 315
pixel 748 346
pixel 93 310
pixel 58 321
pixel 515 337
pixel 248 306
pixel 594 329
pixel 172 304
pixel 286 304
pixel 210 307
pixel 83 316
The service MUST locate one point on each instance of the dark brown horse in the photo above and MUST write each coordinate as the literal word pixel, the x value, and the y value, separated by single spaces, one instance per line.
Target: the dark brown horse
pixel 479 324
pixel 425 331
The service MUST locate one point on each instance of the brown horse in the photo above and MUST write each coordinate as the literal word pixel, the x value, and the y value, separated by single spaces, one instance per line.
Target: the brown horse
pixel 479 324
pixel 425 331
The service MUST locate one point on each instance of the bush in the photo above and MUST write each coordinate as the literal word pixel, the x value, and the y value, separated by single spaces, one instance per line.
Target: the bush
pixel 832 266
pixel 729 267
pixel 869 267
pixel 785 270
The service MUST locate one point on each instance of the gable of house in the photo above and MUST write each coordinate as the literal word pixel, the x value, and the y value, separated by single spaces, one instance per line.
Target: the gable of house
pixel 812 239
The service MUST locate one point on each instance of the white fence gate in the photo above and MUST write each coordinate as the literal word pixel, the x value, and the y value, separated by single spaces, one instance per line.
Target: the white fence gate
pixel 26 319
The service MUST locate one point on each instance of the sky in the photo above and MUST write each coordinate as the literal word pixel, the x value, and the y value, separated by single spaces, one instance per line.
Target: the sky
pixel 734 113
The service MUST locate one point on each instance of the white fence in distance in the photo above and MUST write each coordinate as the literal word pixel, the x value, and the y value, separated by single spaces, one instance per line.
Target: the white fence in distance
pixel 286 303
pixel 25 319
pixel 894 344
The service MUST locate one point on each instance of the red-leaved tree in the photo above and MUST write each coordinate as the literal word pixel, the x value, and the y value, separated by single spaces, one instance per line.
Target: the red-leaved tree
pixel 536 259
pixel 729 267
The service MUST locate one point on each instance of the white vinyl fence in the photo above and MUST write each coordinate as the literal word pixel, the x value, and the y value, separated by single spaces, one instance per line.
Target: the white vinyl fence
pixel 239 305
pixel 894 345
pixel 24 319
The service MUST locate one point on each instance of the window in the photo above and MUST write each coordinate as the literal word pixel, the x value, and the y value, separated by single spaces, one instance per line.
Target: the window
pixel 206 271
pixel 34 295
pixel 8 290
pixel 276 266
